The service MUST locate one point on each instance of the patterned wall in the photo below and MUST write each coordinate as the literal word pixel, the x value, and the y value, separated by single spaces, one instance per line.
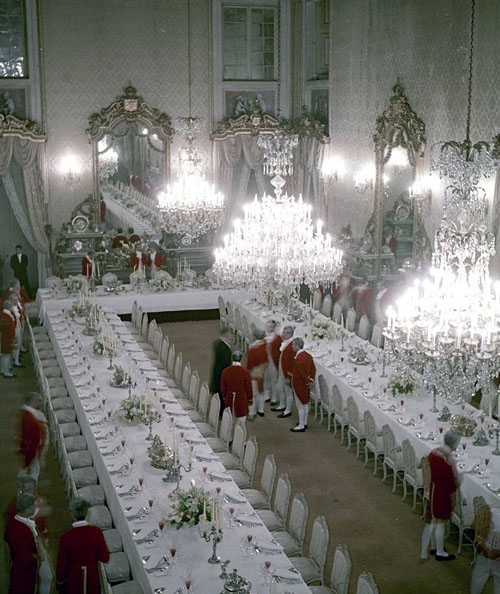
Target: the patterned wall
pixel 92 49
pixel 425 45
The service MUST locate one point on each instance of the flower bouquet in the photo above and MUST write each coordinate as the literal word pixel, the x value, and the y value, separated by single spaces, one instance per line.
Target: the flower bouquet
pixel 105 345
pixel 119 378
pixel 401 383
pixel 133 409
pixel 161 283
pixel 188 506
pixel 322 329
pixel 73 285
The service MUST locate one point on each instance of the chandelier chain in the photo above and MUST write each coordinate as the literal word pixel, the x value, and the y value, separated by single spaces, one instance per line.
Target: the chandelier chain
pixel 471 64
pixel 278 69
pixel 189 54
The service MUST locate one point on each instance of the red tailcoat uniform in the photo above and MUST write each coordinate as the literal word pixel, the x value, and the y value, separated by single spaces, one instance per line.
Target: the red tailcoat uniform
pixel 236 389
pixel 87 267
pixel 257 362
pixel 362 299
pixel 118 240
pixel 134 260
pixel 82 546
pixel 23 295
pixel 158 260
pixel 8 330
pixel 40 517
pixel 33 437
pixel 274 350
pixel 286 362
pixel 134 238
pixel 24 557
pixel 444 483
pixel 303 374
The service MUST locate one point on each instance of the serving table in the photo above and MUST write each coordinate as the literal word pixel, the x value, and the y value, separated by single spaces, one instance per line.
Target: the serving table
pixel 403 413
pixel 119 452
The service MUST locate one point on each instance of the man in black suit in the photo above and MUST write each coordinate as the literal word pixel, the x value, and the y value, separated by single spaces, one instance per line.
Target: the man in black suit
pixel 19 265
pixel 222 349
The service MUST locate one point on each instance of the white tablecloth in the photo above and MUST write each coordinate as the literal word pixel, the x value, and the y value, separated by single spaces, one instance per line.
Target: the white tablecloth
pixel 370 396
pixel 120 216
pixel 193 551
pixel 174 300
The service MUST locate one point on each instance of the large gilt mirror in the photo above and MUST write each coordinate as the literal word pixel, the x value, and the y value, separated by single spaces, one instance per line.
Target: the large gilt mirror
pixel 130 147
pixel 397 232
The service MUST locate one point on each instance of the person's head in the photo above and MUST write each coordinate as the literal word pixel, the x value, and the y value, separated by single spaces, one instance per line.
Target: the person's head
pixel 15 285
pixel 25 504
pixel 26 484
pixel 119 230
pixel 270 326
pixel 19 249
pixel 7 304
pixel 130 230
pixel 258 334
pixel 152 247
pixel 452 440
pixel 13 298
pixel 298 344
pixel 226 333
pixel 78 508
pixel 237 356
pixel 33 399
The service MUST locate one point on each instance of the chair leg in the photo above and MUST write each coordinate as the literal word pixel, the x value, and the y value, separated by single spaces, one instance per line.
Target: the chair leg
pixel 415 492
pixel 366 456
pixel 348 439
pixel 394 479
pixel 375 463
pixel 329 421
pixel 384 468
pixel 405 490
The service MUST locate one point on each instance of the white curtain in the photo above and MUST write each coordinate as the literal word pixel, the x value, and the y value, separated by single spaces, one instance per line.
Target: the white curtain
pixel 495 227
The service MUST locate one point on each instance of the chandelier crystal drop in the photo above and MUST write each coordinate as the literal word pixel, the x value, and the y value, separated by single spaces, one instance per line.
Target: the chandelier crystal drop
pixel 277 248
pixel 108 160
pixel 278 152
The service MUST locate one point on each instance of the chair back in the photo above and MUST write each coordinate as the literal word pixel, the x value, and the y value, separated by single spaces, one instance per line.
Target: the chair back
pixel 222 308
pixel 203 400
pixel 370 428
pixel 317 300
pixel 409 459
pixel 298 518
pixel 194 388
pixel 377 338
pixel 138 319
pixel 144 325
pixel 213 413
pixel 337 313
pixel 165 344
pixel 133 316
pixel 186 378
pixel 226 427
pixel 323 390
pixel 389 443
pixel 268 476
pixel 426 475
pixel 482 523
pixel 282 497
pixel 478 502
pixel 157 341
pixel 245 329
pixel 338 401
pixel 153 327
pixel 171 360
pixel 230 314
pixel 364 327
pixel 352 413
pixel 326 308
pixel 237 318
pixel 351 319
pixel 320 536
pixel 250 458
pixel 341 570
pixel 53 282
pixel 366 584
pixel 177 377
pixel 239 440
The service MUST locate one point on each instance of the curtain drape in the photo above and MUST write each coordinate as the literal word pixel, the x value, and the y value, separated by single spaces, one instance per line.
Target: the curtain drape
pixel 495 226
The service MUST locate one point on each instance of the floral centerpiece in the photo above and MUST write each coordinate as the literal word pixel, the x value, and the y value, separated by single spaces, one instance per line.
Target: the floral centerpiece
pixel 322 329
pixel 72 284
pixel 80 307
pixel 105 345
pixel 188 506
pixel 134 409
pixel 401 383
pixel 161 283
pixel 119 378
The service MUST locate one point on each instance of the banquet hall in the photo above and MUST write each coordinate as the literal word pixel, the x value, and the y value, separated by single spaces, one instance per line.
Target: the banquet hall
pixel 250 288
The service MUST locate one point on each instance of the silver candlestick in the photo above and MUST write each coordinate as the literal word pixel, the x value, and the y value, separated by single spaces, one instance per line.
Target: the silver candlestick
pixel 215 536
pixel 495 431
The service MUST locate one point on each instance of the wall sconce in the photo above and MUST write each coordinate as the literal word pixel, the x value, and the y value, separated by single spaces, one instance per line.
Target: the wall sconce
pixel 399 159
pixel 363 180
pixel 421 192
pixel 333 168
pixel 70 168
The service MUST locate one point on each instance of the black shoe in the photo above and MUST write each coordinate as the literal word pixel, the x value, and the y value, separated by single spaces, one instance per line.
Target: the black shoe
pixel 447 558
pixel 278 409
pixel 9 376
pixel 434 551
pixel 284 416
pixel 260 414
pixel 296 425
pixel 297 430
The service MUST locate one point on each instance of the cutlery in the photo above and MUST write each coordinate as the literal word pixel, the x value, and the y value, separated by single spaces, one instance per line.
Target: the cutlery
pixel 142 513
pixel 87 408
pixel 113 452
pixel 135 533
pixel 102 421
pixel 134 489
pixel 123 468
pixel 146 558
pixel 162 565
pixel 148 539
pixel 159 590
pixel 106 436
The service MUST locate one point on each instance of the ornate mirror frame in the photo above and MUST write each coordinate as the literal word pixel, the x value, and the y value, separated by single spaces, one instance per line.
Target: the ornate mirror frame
pixel 129 108
pixel 398 126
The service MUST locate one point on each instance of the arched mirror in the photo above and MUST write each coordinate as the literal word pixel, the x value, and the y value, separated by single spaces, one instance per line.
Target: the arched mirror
pixel 130 148
pixel 399 149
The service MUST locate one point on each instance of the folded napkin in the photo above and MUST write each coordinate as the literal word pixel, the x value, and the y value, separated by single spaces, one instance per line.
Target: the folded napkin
pixel 233 499
pixel 248 520
pixel 219 476
pixel 267 546
pixel 287 575
pixel 356 383
pixel 341 372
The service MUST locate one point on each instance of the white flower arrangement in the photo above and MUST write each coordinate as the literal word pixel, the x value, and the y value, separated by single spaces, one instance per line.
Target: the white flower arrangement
pixel 400 383
pixel 322 330
pixel 188 506
pixel 72 284
pixel 162 283
pixel 133 409
pixel 105 345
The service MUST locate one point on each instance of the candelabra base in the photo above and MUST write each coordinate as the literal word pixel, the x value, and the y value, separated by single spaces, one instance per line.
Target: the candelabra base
pixel 214 560
pixel 496 452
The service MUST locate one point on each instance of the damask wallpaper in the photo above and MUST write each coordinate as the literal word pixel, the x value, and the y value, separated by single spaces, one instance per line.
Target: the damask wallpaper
pixel 424 44
pixel 93 49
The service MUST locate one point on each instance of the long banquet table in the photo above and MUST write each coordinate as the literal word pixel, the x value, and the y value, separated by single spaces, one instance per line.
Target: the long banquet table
pixel 88 382
pixel 172 300
pixel 424 435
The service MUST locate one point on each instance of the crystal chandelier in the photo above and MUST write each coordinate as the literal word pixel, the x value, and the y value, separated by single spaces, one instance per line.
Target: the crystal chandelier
pixel 447 327
pixel 191 206
pixel 278 152
pixel 108 160
pixel 277 248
